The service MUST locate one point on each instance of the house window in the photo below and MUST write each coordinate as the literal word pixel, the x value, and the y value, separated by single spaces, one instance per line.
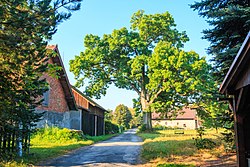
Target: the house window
pixel 46 98
pixel 184 125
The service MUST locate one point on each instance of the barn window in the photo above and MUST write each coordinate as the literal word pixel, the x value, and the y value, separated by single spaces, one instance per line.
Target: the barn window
pixel 46 98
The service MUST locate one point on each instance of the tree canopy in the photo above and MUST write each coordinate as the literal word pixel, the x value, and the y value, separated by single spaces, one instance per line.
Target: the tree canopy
pixel 148 58
pixel 229 22
pixel 122 116
pixel 25 28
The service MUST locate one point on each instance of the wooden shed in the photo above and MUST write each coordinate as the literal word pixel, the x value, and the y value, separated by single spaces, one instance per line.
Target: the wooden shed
pixel 92 114
pixel 236 85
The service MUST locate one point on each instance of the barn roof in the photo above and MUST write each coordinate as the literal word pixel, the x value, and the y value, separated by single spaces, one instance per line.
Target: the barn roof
pixel 184 114
pixel 63 78
pixel 239 64
pixel 92 102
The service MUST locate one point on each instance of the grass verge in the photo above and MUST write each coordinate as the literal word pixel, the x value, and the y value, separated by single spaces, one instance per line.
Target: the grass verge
pixel 163 147
pixel 52 142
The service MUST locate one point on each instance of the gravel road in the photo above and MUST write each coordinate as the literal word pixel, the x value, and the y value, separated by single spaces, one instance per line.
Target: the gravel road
pixel 119 151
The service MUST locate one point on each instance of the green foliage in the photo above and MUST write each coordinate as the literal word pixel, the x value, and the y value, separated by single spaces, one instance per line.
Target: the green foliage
pixel 142 128
pixel 229 22
pixel 111 128
pixel 204 143
pixel 122 116
pixel 108 115
pixel 25 28
pixel 229 141
pixel 147 59
pixel 200 132
pixel 201 143
pixel 57 135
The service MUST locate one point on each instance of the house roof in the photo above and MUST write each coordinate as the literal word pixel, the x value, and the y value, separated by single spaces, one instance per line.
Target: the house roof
pixel 184 114
pixel 63 78
pixel 92 102
pixel 238 65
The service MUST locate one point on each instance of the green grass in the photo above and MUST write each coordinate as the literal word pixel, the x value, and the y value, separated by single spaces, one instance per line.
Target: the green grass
pixel 164 144
pixel 52 142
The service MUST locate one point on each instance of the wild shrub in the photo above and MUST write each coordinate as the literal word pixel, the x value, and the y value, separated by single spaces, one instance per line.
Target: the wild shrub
pixel 204 143
pixel 111 128
pixel 201 143
pixel 57 135
pixel 142 128
pixel 228 141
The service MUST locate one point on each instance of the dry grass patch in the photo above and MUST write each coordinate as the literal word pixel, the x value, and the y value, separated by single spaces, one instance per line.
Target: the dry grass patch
pixel 165 147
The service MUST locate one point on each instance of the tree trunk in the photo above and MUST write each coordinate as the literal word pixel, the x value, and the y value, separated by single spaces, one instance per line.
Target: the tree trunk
pixel 147 120
pixel 146 115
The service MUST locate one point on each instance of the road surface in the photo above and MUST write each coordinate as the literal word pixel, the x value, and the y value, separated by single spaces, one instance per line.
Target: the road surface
pixel 119 151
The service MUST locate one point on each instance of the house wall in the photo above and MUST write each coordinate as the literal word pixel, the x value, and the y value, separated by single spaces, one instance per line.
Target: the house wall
pixel 67 119
pixel 186 124
pixel 57 101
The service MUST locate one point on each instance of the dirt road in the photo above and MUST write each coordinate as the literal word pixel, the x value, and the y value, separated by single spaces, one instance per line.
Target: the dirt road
pixel 122 150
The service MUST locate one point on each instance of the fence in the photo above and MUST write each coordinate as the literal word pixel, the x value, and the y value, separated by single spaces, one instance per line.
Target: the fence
pixel 9 141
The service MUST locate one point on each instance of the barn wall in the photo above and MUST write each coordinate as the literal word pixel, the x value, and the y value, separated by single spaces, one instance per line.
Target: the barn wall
pixel 57 101
pixel 68 119
pixel 186 124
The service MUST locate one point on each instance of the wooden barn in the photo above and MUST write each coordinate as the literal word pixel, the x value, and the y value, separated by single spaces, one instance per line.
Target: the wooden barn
pixel 92 114
pixel 236 85
pixel 67 107
pixel 59 103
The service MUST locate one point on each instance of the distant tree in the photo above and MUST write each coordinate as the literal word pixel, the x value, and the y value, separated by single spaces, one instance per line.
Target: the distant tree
pixel 229 21
pixel 136 118
pixel 122 116
pixel 109 115
pixel 147 59
pixel 25 28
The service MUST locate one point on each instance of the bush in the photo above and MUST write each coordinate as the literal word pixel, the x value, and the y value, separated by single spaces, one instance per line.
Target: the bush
pixel 159 127
pixel 228 140
pixel 142 128
pixel 204 143
pixel 57 135
pixel 111 128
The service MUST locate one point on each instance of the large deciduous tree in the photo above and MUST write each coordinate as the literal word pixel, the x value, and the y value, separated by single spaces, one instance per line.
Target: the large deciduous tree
pixel 25 28
pixel 229 21
pixel 147 59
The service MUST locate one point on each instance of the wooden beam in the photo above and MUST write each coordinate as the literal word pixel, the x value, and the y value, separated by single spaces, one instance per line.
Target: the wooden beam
pixel 238 100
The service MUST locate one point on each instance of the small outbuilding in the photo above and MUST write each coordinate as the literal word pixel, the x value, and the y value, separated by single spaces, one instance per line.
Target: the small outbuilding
pixel 92 114
pixel 236 85
pixel 186 118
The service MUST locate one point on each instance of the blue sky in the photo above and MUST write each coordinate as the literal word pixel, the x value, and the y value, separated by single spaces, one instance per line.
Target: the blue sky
pixel 102 16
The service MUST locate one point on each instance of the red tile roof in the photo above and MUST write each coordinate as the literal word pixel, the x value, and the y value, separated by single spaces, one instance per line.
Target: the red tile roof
pixel 185 113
